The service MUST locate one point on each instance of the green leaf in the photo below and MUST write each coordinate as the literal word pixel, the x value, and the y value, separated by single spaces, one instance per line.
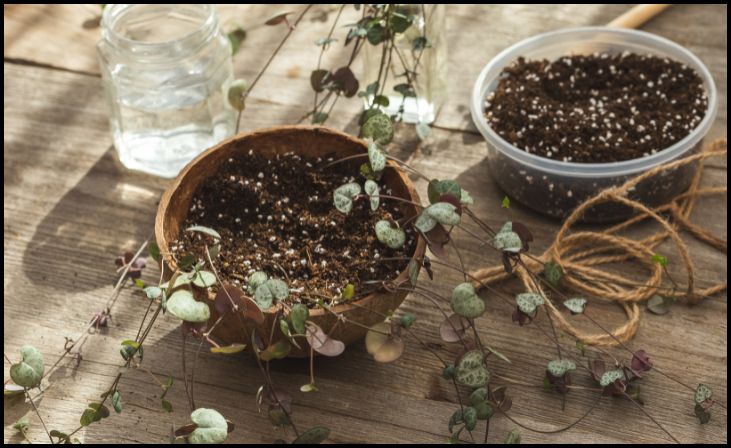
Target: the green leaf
pixel 437 188
pixel 553 273
pixel 325 41
pixel 312 436
pixel 466 199
pixel 117 401
pixel 507 240
pixel 424 223
pixel 229 349
pixel 376 34
pixel 422 130
pixel 182 305
pixel 306 388
pixel 271 290
pixel 444 213
pixel 379 127
pixel 658 305
pixel 405 89
pixel 29 371
pixel 212 427
pixel 93 413
pixel 166 405
pixel 376 158
pixel 21 426
pixel 236 37
pixel 381 100
pixel 278 350
pixel 392 237
pixel 371 189
pixel 399 22
pixel 559 367
pixel 506 202
pixel 575 305
pixel 703 393
pixel 528 302
pixel 470 418
pixel 513 437
pixel 153 292
pixel 319 117
pixel 343 196
pixel 419 43
pixel 471 370
pixel 255 280
pixel 297 316
pixel 610 376
pixel 154 251
pixel 205 230
pixel 139 283
pixel 413 271
pixel 348 292
pixel 204 279
pixel 465 301
pixel 659 259
pixel 407 320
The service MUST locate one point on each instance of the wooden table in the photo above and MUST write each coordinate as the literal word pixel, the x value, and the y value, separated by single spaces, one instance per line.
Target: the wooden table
pixel 70 208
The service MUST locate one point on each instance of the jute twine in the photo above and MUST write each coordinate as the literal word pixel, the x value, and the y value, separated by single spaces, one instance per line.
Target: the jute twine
pixel 582 254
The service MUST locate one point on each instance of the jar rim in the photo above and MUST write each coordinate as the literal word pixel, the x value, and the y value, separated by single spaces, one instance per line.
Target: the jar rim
pixel 113 12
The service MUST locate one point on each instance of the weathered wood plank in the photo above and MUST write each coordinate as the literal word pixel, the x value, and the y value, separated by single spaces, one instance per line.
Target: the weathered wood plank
pixel 70 207
pixel 60 227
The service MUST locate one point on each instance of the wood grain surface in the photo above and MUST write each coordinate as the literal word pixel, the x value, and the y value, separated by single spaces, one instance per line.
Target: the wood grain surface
pixel 70 208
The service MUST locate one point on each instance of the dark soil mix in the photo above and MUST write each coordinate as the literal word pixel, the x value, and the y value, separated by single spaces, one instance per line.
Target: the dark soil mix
pixel 598 108
pixel 278 216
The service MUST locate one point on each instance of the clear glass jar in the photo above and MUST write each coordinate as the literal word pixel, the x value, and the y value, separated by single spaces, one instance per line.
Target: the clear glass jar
pixel 429 63
pixel 165 70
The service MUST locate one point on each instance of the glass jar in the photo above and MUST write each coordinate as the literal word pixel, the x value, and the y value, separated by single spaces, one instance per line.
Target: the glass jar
pixel 165 70
pixel 428 63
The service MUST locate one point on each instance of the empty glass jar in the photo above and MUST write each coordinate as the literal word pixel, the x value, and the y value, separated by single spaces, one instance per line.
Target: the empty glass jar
pixel 165 70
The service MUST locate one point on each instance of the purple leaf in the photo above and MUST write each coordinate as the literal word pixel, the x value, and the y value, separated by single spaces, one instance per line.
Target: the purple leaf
pixel 641 362
pixel 322 343
pixel 453 328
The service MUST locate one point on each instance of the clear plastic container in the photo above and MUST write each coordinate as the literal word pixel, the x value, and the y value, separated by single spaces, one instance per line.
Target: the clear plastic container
pixel 555 187
pixel 166 70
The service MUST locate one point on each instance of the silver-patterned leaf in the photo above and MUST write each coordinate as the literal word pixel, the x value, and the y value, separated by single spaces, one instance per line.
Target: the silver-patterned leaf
pixel 343 196
pixel 507 240
pixel 182 305
pixel 392 237
pixel 211 427
pixel 444 213
pixel 611 376
pixel 29 371
pixel 371 189
pixel 528 301
pixel 424 222
pixel 465 301
pixel 376 157
pixel 575 305
pixel 559 367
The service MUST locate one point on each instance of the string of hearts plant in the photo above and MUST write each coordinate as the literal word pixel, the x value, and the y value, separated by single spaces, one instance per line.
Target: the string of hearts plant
pixel 477 390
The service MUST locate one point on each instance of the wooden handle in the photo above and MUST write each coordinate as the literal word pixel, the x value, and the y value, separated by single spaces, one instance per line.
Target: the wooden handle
pixel 637 16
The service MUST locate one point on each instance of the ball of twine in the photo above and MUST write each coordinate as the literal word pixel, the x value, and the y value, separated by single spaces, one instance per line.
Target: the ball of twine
pixel 581 255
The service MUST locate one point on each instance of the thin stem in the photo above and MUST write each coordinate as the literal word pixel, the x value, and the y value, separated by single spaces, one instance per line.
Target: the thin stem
pixel 650 417
pixel 39 416
pixel 246 92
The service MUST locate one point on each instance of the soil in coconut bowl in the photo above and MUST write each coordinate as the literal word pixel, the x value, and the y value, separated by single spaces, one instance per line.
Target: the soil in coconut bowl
pixel 599 109
pixel 277 216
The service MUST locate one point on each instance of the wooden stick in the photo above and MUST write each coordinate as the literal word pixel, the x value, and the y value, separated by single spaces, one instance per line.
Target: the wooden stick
pixel 637 16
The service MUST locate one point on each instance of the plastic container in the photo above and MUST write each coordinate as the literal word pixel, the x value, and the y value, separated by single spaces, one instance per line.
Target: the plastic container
pixel 555 187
